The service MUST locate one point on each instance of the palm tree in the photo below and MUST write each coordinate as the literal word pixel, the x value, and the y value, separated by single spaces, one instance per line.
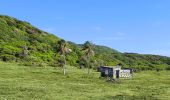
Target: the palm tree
pixel 63 50
pixel 89 53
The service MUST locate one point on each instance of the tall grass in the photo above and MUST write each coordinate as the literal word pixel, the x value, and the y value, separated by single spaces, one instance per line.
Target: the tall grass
pixel 39 83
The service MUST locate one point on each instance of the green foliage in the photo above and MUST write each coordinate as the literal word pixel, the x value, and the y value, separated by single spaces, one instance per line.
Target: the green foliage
pixel 7 57
pixel 72 59
pixel 33 61
pixel 88 55
pixel 8 49
pixel 44 47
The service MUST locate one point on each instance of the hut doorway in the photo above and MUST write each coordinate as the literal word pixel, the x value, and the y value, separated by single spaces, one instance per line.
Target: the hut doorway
pixel 117 73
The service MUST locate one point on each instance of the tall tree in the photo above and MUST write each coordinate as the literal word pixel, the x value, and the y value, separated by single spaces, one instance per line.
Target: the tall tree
pixel 89 53
pixel 63 50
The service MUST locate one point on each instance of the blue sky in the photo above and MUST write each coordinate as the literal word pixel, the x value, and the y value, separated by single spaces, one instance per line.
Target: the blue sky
pixel 141 26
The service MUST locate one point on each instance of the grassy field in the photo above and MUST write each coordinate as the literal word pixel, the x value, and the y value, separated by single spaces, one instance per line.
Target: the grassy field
pixel 37 83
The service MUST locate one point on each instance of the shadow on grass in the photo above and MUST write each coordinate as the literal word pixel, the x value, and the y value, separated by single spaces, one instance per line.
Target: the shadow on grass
pixel 114 81
pixel 128 97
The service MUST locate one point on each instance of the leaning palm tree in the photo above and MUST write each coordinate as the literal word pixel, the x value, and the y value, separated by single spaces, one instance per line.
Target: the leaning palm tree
pixel 63 50
pixel 89 53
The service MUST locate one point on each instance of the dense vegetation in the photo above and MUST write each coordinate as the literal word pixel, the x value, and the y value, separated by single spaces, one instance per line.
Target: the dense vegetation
pixel 39 83
pixel 23 43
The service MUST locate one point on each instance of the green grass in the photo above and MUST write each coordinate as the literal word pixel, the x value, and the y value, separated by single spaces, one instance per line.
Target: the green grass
pixel 38 83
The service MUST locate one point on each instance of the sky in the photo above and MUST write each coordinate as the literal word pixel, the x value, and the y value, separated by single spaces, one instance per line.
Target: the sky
pixel 141 26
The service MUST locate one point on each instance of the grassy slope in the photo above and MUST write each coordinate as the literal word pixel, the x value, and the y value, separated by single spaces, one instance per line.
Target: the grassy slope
pixel 30 83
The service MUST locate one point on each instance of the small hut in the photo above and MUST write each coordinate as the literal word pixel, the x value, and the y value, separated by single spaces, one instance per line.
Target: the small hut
pixel 110 71
pixel 115 72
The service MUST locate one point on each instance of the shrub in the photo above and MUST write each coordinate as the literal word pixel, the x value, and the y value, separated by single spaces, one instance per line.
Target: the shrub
pixel 27 63
pixel 7 49
pixel 7 57
pixel 54 64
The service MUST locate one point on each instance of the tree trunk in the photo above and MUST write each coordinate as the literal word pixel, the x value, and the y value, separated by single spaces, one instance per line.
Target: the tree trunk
pixel 88 65
pixel 88 71
pixel 64 67
pixel 64 70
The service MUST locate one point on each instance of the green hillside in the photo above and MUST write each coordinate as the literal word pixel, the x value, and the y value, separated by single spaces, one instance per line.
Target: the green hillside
pixel 17 37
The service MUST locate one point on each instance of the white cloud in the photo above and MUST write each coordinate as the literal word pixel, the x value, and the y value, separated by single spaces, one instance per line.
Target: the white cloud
pixel 97 28
pixel 110 38
pixel 158 23
pixel 113 37
pixel 59 18
pixel 120 34
pixel 161 52
pixel 49 29
pixel 168 43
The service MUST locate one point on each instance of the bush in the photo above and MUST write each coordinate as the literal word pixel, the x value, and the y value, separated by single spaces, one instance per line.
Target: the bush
pixel 7 49
pixel 27 63
pixel 54 64
pixel 41 64
pixel 30 63
pixel 7 57
pixel 33 61
pixel 168 68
